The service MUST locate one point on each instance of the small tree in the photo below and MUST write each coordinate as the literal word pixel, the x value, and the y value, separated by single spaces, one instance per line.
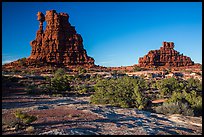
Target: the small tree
pixel 60 81
pixel 22 62
pixel 123 92
pixel 138 99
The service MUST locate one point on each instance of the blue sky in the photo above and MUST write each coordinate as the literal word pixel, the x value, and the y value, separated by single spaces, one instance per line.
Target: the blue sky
pixel 114 33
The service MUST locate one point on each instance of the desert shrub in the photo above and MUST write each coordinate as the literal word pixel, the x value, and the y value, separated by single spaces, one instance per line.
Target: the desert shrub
pixel 91 89
pixel 193 84
pixel 95 78
pixel 83 89
pixel 45 88
pixel 192 98
pixel 60 81
pixel 32 89
pixel 24 117
pixel 153 85
pixel 22 62
pixel 141 83
pixel 122 92
pixel 137 68
pixel 70 78
pixel 167 86
pixel 59 72
pixel 175 108
pixel 181 94
pixel 176 96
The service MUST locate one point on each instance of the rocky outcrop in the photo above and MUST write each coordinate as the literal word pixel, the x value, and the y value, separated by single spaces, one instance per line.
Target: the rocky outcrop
pixel 165 56
pixel 59 44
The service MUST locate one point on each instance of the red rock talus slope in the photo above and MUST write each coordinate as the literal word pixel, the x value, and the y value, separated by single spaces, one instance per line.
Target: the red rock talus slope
pixel 165 56
pixel 59 43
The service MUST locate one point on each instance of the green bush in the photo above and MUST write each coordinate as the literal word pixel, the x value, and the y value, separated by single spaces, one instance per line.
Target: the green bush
pixel 193 84
pixel 122 92
pixel 60 81
pixel 25 118
pixel 59 72
pixel 22 62
pixel 45 88
pixel 167 86
pixel 81 89
pixel 175 108
pixel 32 89
pixel 192 98
pixel 70 78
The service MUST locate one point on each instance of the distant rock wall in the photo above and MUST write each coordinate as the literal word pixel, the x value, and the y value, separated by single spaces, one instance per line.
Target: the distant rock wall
pixel 59 43
pixel 165 56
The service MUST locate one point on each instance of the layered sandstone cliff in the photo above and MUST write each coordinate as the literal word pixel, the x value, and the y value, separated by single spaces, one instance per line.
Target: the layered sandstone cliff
pixel 165 56
pixel 59 44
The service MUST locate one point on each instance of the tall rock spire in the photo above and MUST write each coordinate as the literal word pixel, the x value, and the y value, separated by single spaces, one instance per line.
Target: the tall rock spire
pixel 59 44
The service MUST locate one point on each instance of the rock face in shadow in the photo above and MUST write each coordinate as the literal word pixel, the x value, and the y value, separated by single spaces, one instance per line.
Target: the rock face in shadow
pixel 59 44
pixel 166 56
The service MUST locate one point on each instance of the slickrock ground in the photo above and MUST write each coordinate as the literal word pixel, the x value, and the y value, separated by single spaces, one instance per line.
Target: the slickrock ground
pixel 75 116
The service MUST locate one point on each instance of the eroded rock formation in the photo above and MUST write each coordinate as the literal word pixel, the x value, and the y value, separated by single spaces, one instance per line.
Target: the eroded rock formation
pixel 59 44
pixel 165 56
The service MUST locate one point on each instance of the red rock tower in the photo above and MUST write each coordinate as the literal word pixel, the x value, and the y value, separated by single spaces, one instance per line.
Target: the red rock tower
pixel 59 44
pixel 165 56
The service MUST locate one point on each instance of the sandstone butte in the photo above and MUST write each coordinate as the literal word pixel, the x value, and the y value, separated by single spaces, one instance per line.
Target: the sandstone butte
pixel 58 45
pixel 166 56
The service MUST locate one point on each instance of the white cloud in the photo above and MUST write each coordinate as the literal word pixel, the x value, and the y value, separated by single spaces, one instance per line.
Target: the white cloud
pixel 6 58
pixel 7 61
pixel 105 62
